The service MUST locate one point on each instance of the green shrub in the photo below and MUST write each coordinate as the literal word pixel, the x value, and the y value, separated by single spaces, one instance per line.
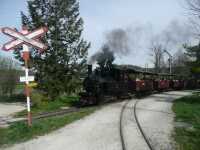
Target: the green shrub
pixel 13 98
pixel 38 98
pixel 68 100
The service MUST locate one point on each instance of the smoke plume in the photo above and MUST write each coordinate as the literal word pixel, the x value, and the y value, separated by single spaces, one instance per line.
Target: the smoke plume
pixel 117 43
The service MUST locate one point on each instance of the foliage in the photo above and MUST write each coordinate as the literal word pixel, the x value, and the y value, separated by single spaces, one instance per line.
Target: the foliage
pixel 8 76
pixel 58 68
pixel 37 98
pixel 187 110
pixel 20 132
pixel 194 63
pixel 179 63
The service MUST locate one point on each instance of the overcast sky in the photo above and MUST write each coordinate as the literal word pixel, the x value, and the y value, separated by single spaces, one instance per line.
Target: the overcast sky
pixel 101 16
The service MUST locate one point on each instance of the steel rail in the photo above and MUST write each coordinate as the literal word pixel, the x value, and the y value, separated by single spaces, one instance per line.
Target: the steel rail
pixel 140 128
pixel 121 126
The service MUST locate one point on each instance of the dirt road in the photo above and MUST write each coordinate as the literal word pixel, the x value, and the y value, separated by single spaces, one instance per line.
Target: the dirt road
pixel 7 110
pixel 157 118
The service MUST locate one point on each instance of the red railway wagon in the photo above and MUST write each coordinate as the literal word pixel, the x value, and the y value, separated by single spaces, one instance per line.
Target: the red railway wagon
pixel 144 82
pixel 123 81
pixel 163 84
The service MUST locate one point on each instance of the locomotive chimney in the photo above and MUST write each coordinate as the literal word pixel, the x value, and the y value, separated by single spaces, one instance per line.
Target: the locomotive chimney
pixel 89 70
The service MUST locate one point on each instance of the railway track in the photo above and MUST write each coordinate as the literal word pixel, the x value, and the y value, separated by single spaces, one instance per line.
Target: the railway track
pixel 121 126
pixel 42 115
pixel 122 137
pixel 56 113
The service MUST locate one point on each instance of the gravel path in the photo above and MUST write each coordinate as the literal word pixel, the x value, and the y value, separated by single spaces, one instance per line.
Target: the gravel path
pixel 100 131
pixel 156 118
pixel 6 111
pixel 10 108
pixel 132 136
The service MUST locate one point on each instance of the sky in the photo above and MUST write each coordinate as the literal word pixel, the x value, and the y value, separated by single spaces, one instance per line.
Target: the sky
pixel 101 16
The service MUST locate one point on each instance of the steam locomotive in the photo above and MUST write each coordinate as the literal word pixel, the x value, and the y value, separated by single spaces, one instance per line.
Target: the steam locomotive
pixel 119 82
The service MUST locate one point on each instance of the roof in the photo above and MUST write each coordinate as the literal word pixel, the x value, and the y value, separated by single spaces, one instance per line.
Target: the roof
pixel 126 68
pixel 132 69
pixel 138 70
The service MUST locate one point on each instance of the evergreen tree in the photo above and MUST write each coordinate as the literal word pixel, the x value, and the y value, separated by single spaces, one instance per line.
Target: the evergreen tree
pixel 194 62
pixel 59 67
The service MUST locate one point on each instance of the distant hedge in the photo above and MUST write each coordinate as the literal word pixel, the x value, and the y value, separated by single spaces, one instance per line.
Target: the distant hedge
pixel 13 98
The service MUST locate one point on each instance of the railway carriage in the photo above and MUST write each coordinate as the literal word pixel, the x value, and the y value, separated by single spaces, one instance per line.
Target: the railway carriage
pixel 144 83
pixel 119 82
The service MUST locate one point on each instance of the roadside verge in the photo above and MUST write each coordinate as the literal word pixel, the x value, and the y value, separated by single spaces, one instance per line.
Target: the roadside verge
pixel 19 131
pixel 187 122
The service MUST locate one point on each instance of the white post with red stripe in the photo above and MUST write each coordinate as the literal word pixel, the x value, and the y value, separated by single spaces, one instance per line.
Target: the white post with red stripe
pixel 26 57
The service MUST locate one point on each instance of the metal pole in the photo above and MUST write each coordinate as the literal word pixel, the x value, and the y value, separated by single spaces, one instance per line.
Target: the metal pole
pixel 170 68
pixel 26 57
pixel 170 61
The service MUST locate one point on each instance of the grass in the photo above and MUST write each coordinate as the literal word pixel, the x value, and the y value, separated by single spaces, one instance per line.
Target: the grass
pixel 187 110
pixel 20 132
pixel 50 106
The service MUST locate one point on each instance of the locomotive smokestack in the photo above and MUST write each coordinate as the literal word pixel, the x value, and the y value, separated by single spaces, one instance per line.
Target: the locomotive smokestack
pixel 89 70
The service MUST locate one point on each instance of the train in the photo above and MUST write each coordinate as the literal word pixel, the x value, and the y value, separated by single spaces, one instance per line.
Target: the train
pixel 124 81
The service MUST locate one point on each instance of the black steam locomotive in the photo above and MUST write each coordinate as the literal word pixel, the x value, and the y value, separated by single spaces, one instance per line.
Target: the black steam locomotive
pixel 119 82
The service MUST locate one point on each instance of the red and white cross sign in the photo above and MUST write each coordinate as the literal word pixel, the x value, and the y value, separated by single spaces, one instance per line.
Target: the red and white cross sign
pixel 20 38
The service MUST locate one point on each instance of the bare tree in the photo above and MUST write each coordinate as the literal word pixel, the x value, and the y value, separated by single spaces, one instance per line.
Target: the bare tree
pixel 194 10
pixel 156 52
pixel 170 39
pixel 194 6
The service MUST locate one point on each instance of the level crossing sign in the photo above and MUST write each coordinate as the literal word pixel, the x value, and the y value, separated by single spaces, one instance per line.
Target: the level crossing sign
pixel 25 39
pixel 20 38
